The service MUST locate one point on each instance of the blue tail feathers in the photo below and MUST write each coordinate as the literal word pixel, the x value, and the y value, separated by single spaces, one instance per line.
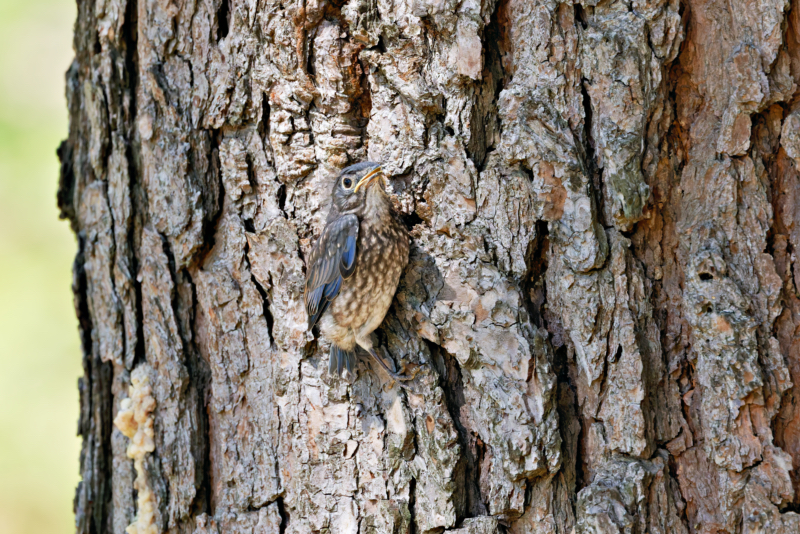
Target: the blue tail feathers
pixel 341 360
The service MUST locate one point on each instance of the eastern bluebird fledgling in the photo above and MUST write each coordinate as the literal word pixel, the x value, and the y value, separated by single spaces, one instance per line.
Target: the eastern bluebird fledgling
pixel 355 267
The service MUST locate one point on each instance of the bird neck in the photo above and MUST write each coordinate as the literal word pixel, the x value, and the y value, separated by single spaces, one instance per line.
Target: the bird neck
pixel 377 205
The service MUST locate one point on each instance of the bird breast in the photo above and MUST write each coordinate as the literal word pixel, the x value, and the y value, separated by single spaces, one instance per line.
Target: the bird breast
pixel 365 297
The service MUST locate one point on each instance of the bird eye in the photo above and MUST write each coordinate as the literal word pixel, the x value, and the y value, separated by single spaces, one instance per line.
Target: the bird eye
pixel 347 183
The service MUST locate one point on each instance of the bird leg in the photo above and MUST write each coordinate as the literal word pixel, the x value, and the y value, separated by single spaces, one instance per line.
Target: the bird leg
pixel 397 377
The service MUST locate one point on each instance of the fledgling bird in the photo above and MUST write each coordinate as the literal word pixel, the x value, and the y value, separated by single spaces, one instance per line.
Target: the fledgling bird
pixel 355 267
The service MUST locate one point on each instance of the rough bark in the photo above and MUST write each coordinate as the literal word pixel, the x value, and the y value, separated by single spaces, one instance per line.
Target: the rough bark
pixel 602 298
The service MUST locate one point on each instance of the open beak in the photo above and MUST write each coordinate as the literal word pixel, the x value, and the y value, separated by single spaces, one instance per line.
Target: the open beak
pixel 367 179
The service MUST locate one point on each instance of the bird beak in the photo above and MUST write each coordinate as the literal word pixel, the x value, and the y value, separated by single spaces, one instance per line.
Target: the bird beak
pixel 365 181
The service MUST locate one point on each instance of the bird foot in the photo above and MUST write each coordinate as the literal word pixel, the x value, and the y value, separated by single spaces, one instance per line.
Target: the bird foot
pixel 397 377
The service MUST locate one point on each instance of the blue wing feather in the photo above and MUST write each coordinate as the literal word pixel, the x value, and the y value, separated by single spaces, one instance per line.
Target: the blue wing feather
pixel 313 317
pixel 332 260
pixel 348 263
pixel 314 299
pixel 332 289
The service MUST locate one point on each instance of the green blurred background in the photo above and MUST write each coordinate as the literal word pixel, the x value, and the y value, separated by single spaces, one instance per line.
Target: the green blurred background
pixel 39 346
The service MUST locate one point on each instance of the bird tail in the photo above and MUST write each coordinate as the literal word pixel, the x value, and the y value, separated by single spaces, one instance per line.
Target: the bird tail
pixel 342 361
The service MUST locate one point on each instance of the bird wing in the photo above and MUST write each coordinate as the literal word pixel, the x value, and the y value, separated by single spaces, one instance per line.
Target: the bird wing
pixel 332 260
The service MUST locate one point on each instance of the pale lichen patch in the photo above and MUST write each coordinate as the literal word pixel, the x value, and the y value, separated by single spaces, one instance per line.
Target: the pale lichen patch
pixel 135 421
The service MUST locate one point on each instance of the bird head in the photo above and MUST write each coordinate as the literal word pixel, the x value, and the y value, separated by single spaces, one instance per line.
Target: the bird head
pixel 355 185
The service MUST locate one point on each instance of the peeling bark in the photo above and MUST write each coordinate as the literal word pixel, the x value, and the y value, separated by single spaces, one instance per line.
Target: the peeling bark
pixel 601 301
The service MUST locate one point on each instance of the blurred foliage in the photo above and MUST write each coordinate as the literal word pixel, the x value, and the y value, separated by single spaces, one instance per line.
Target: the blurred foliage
pixel 39 346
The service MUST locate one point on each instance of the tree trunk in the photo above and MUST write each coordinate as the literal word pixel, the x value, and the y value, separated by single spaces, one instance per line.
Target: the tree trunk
pixel 602 298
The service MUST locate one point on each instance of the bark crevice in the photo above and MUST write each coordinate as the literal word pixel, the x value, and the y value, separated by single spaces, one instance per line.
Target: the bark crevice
pixel 469 502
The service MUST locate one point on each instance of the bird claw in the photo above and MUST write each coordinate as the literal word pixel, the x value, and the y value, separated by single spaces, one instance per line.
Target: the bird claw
pixel 397 377
pixel 403 381
pixel 401 377
pixel 405 377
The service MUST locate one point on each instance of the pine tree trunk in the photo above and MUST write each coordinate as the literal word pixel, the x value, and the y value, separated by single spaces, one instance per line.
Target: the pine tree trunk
pixel 602 299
